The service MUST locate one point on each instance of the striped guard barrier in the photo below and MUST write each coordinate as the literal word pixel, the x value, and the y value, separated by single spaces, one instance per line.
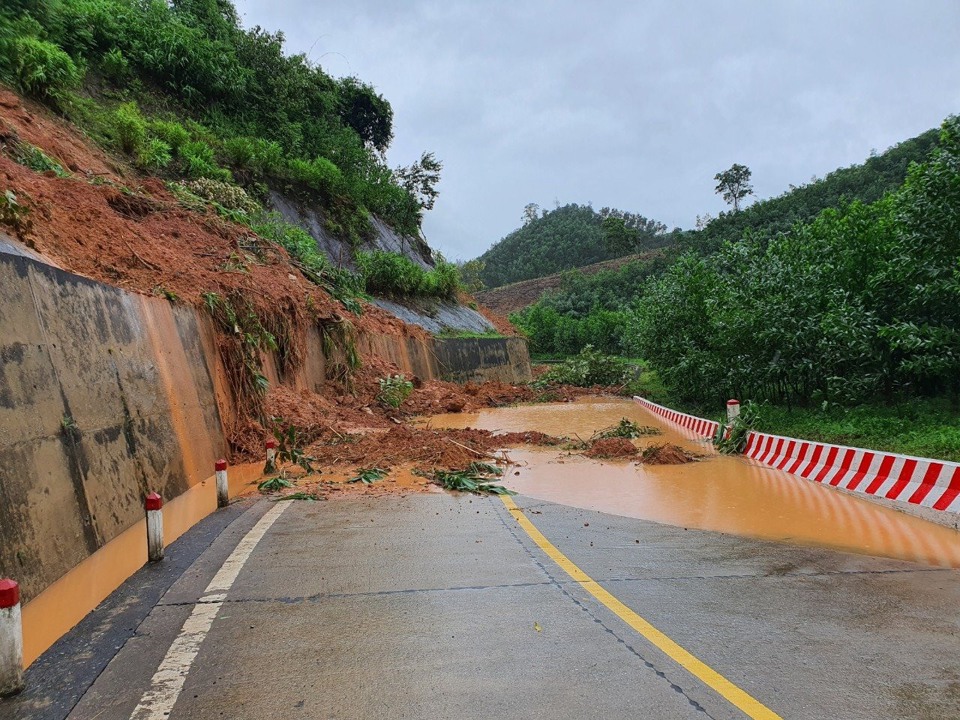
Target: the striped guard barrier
pixel 701 427
pixel 921 481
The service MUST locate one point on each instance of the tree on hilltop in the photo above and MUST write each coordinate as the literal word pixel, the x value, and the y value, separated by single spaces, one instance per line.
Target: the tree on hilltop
pixel 734 184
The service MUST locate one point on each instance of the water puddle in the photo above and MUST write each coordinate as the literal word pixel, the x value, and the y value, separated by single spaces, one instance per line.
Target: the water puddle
pixel 52 613
pixel 720 493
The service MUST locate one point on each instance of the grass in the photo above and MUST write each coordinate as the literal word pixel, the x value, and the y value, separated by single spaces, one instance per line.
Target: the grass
pixel 921 427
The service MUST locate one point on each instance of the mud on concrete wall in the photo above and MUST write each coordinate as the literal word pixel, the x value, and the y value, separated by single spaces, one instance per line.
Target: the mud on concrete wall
pixel 107 395
pixel 482 359
pixel 104 396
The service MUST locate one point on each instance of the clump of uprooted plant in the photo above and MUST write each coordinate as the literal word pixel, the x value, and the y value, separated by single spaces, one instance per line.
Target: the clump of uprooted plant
pixel 394 389
pixel 368 476
pixel 731 438
pixel 476 478
pixel 625 429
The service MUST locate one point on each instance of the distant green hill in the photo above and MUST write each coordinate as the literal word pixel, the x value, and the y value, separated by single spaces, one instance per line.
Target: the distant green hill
pixel 572 236
pixel 596 308
pixel 569 237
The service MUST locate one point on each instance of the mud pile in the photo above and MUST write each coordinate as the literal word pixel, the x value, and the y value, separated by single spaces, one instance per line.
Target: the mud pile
pixel 666 455
pixel 611 448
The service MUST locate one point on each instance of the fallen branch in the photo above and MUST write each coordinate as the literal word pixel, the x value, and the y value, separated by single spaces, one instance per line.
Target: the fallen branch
pixel 470 449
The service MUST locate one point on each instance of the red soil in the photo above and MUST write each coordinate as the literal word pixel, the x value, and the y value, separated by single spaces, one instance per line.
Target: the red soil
pixel 666 455
pixel 611 448
pixel 110 224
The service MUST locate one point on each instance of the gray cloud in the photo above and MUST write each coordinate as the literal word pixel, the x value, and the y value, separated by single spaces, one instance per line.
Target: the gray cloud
pixel 633 105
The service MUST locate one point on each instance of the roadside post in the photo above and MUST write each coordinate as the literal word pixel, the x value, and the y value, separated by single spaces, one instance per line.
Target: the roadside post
pixel 154 508
pixel 11 639
pixel 271 456
pixel 223 489
pixel 733 410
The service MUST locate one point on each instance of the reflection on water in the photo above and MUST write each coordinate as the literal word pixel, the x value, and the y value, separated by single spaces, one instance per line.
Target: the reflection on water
pixel 721 493
pixel 65 603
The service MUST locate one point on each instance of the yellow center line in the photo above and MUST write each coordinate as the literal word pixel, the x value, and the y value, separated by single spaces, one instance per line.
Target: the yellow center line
pixel 700 670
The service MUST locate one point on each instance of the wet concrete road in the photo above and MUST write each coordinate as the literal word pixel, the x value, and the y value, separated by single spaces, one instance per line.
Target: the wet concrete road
pixel 435 606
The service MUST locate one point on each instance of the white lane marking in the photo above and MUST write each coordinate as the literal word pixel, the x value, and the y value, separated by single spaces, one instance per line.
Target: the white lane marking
pixel 158 701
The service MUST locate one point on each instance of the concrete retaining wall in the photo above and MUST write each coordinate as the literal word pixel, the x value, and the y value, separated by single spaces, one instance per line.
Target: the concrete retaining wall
pixel 479 359
pixel 106 395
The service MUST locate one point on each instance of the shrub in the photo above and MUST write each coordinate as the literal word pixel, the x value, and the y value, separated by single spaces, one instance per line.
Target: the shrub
pixel 115 66
pixel 155 155
pixel 41 69
pixel 255 155
pixel 130 128
pixel 172 133
pixel 444 280
pixel 319 174
pixel 198 162
pixel 239 152
pixel 392 274
pixel 586 369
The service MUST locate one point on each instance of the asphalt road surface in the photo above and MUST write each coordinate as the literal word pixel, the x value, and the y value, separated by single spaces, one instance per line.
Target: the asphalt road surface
pixel 442 606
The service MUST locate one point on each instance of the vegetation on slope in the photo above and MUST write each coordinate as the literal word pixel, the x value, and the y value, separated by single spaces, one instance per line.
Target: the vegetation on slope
pixel 568 237
pixel 868 182
pixel 185 92
pixel 579 312
pixel 588 309
pixel 861 304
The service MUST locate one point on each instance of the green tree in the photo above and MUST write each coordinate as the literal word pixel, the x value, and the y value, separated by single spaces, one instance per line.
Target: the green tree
pixel 734 184
pixel 618 237
pixel 531 211
pixel 470 275
pixel 421 178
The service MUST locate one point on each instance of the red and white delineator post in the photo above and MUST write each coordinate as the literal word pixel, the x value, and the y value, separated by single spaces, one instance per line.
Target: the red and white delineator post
pixel 271 456
pixel 11 639
pixel 223 488
pixel 153 504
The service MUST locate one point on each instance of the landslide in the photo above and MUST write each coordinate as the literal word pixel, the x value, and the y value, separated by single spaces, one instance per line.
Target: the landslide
pixel 100 219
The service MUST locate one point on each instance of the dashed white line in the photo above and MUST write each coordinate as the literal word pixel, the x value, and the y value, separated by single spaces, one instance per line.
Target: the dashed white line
pixel 158 701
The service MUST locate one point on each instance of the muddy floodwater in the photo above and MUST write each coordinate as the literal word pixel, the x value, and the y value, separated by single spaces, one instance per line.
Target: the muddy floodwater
pixel 720 493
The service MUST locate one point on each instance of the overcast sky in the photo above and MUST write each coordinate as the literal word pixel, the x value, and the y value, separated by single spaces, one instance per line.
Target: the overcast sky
pixel 631 105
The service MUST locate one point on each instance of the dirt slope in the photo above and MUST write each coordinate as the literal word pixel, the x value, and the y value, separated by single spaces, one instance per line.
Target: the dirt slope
pixel 516 296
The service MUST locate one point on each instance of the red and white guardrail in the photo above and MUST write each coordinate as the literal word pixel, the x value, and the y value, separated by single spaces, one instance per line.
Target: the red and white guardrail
pixel 920 481
pixel 701 427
